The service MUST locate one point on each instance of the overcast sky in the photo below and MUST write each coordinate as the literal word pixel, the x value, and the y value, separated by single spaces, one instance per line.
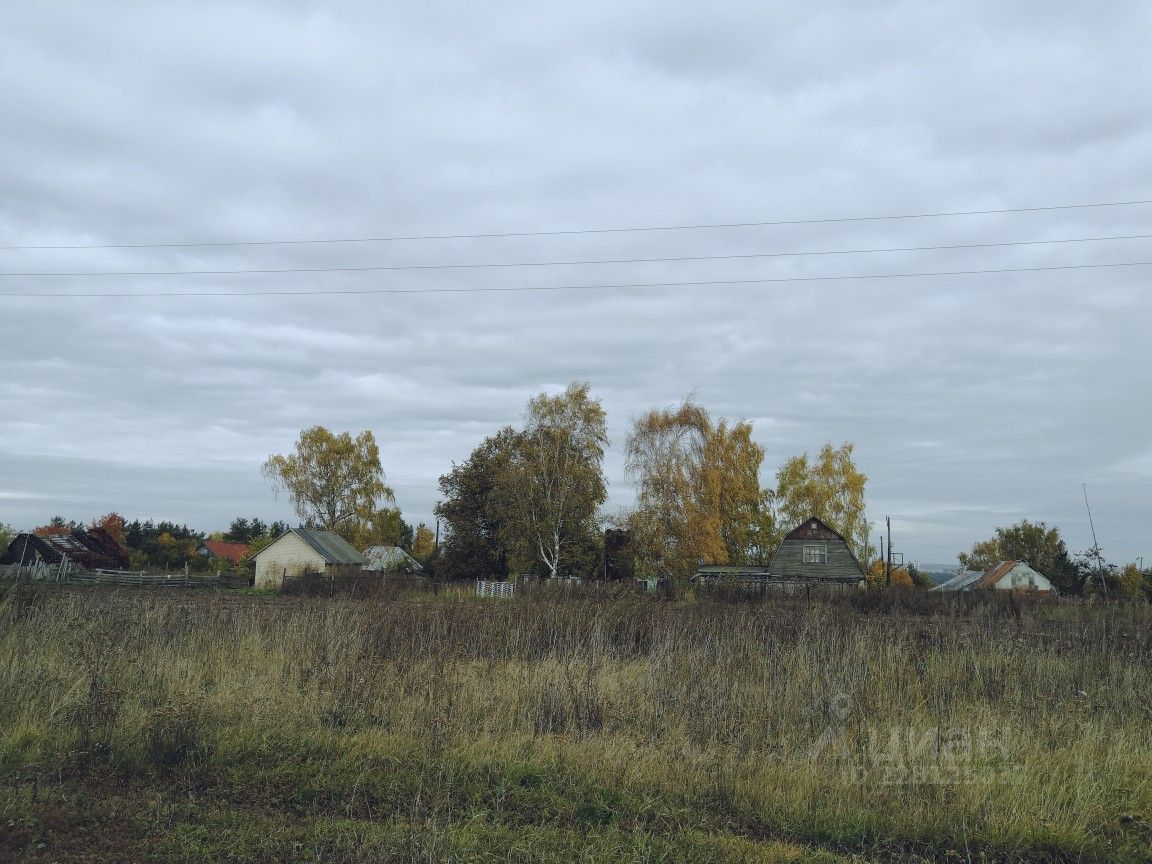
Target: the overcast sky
pixel 973 400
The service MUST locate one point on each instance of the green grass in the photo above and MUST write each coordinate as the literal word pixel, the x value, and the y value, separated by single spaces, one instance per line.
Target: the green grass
pixel 571 726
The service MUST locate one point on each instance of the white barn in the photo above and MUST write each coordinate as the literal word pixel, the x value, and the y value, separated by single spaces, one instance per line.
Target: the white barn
pixel 301 551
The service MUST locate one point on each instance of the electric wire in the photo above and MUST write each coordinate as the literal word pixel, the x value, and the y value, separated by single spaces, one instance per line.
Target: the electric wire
pixel 588 287
pixel 599 261
pixel 578 231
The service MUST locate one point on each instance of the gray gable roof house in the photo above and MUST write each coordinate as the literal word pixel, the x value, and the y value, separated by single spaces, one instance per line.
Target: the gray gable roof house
pixel 814 552
pixel 302 550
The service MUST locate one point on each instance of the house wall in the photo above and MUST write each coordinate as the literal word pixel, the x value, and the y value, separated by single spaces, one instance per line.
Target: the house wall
pixel 288 556
pixel 1023 578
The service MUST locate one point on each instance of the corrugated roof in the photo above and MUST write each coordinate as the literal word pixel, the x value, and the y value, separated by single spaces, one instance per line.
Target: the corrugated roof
pixel 333 548
pixel 994 574
pixel 971 580
pixel 960 581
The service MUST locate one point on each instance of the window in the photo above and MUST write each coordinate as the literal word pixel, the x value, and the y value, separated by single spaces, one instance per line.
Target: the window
pixel 816 554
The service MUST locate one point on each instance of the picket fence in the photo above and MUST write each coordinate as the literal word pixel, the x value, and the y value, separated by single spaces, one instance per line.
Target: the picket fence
pixel 485 588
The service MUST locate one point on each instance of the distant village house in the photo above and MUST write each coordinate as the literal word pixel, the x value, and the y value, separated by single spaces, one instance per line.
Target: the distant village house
pixel 1003 576
pixel 233 553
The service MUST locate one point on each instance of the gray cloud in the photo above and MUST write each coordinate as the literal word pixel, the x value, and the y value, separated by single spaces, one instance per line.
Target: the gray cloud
pixel 973 400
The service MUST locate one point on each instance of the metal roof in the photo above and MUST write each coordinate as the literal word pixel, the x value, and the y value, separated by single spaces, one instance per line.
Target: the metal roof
pixel 960 581
pixel 970 580
pixel 333 548
pixel 386 557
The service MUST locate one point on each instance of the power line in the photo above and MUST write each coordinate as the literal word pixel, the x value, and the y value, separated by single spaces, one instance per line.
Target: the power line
pixel 574 231
pixel 503 264
pixel 525 288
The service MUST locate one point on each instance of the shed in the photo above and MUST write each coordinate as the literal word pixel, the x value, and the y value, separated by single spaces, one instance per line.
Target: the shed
pixel 814 552
pixel 390 559
pixel 302 550
pixel 92 549
pixel 1002 576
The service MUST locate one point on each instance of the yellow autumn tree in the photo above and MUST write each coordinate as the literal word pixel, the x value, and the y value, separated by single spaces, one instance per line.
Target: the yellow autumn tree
pixel 1132 582
pixel 902 576
pixel 830 488
pixel 423 544
pixel 698 489
pixel 336 482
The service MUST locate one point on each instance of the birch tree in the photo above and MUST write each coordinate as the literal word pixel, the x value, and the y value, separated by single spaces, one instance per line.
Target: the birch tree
pixel 698 489
pixel 830 488
pixel 335 482
pixel 554 480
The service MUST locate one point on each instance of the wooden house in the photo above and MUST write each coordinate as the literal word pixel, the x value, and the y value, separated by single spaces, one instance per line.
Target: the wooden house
pixel 813 552
pixel 811 555
pixel 301 550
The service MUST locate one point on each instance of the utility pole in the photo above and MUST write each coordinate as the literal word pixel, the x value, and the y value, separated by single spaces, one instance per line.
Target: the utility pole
pixel 888 559
pixel 437 548
pixel 1095 546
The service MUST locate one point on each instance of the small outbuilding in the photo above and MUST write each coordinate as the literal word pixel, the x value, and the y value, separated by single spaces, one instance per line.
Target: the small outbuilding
pixel 390 559
pixel 301 550
pixel 92 549
pixel 1002 576
pixel 815 553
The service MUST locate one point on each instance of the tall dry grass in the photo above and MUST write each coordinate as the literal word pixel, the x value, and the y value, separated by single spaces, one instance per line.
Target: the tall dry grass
pixel 887 726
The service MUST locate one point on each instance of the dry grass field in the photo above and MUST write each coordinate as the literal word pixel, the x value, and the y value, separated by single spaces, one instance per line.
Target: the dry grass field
pixel 574 725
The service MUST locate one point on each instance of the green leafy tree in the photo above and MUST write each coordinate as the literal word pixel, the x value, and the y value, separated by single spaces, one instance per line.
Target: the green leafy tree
pixel 919 578
pixel 7 532
pixel 473 545
pixel 384 527
pixel 830 488
pixel 553 482
pixel 698 490
pixel 1034 542
pixel 336 482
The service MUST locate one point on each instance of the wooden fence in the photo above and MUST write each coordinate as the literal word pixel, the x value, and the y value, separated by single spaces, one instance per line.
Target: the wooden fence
pixel 67 573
